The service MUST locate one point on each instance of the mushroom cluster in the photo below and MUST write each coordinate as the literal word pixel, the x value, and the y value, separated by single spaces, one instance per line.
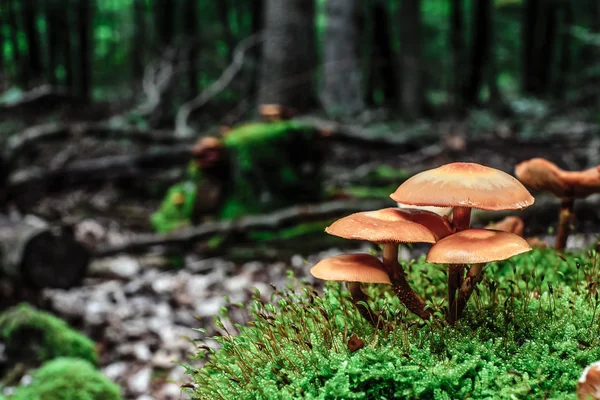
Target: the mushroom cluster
pixel 542 175
pixel 462 186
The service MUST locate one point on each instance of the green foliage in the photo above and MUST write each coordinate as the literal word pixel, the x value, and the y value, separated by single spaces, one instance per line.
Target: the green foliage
pixel 176 209
pixel 36 335
pixel 528 333
pixel 68 379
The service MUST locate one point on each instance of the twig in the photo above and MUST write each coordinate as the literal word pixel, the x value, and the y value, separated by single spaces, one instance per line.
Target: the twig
pixel 182 128
pixel 273 221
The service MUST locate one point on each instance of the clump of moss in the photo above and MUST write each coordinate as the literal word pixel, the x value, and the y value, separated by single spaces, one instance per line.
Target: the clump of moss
pixel 528 333
pixel 32 335
pixel 68 379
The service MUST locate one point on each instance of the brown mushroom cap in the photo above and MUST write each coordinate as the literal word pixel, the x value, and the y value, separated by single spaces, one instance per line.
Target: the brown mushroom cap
pixel 582 183
pixel 510 224
pixel 351 268
pixel 474 246
pixel 588 385
pixel 464 185
pixel 391 225
pixel 542 175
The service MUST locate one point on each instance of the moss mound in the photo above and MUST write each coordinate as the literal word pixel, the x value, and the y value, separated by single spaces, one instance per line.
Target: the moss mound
pixel 68 379
pixel 528 333
pixel 33 335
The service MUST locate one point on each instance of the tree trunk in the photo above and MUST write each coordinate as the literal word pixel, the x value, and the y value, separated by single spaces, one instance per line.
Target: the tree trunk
pixel 223 7
pixel 31 35
pixel 53 24
pixel 546 45
pixel 139 42
pixel 457 46
pixel 383 73
pixel 85 47
pixel 492 72
pixel 411 93
pixel 482 14
pixel 68 45
pixel 289 54
pixel 13 22
pixel 342 94
pixel 529 80
pixel 36 255
pixel 191 21
pixel 564 67
pixel 165 19
pixel 257 27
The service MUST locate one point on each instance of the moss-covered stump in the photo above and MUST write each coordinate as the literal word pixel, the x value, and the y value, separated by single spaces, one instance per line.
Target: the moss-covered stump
pixel 528 333
pixel 68 379
pixel 273 165
pixel 32 336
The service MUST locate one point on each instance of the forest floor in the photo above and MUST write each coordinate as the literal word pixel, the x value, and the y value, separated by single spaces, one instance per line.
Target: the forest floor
pixel 142 311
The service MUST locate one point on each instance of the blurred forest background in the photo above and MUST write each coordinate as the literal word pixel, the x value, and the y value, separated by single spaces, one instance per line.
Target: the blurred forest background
pixel 102 103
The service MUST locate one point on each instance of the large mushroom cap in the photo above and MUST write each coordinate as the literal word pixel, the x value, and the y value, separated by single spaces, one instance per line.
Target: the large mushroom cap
pixel 582 183
pixel 464 185
pixel 391 225
pixel 474 246
pixel 351 268
pixel 542 175
pixel 510 224
pixel 588 385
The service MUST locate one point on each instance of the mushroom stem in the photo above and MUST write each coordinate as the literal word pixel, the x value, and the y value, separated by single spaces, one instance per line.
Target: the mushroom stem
pixel 473 277
pixel 564 222
pixel 357 296
pixel 405 293
pixel 461 220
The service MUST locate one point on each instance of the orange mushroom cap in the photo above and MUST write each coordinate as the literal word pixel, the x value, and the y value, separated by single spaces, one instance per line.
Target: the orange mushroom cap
pixel 582 183
pixel 474 246
pixel 206 143
pixel 510 224
pixel 464 185
pixel 588 385
pixel 392 225
pixel 351 268
pixel 542 175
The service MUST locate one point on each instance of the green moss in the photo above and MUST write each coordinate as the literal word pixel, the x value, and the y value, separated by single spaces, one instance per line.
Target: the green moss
pixel 68 379
pixel 172 213
pixel 528 333
pixel 34 335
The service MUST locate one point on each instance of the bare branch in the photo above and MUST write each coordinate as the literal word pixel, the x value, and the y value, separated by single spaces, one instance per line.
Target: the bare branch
pixel 182 128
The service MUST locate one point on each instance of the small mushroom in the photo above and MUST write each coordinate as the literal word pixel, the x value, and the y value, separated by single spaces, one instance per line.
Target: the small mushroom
pixel 390 227
pixel 207 152
pixel 463 186
pixel 588 386
pixel 475 247
pixel 354 269
pixel 510 224
pixel 543 175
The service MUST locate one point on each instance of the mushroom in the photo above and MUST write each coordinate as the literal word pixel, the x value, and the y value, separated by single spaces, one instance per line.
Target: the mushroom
pixel 475 247
pixel 510 224
pixel 354 269
pixel 390 227
pixel 543 175
pixel 463 186
pixel 207 152
pixel 588 385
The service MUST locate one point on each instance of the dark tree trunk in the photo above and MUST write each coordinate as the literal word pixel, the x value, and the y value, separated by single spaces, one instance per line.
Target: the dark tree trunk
pixel 84 25
pixel 546 45
pixel 32 38
pixel 564 67
pixel 223 7
pixel 32 253
pixel 2 39
pixel 164 12
pixel 529 80
pixel 342 93
pixel 53 25
pixel 68 44
pixel 492 73
pixel 482 14
pixel 139 42
pixel 191 21
pixel 20 70
pixel 411 92
pixel 457 46
pixel 289 54
pixel 257 27
pixel 382 73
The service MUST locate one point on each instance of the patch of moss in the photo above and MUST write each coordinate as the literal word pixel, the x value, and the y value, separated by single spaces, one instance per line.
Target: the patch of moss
pixel 68 379
pixel 528 333
pixel 33 335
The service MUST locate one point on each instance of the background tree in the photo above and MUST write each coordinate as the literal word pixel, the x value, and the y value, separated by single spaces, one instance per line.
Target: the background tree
pixel 411 92
pixel 482 17
pixel 84 24
pixel 342 92
pixel 288 54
